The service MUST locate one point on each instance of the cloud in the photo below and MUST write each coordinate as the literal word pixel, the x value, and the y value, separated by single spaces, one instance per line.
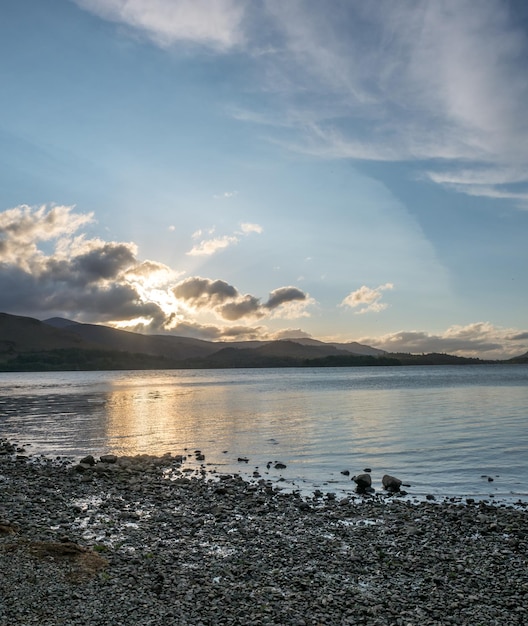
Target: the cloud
pixel 441 82
pixel 216 24
pixel 208 247
pixel 247 228
pixel 226 195
pixel 23 227
pixel 291 333
pixel 244 306
pixel 480 339
pixel 48 267
pixel 79 276
pixel 225 300
pixel 200 292
pixel 367 298
pixel 282 295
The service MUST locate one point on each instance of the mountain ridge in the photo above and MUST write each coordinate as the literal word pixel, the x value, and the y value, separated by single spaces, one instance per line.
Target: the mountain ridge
pixel 19 334
pixel 59 343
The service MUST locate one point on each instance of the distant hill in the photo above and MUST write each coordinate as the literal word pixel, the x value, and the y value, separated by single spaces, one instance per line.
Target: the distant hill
pixel 60 322
pixel 59 343
pixel 523 358
pixel 157 345
pixel 352 347
pixel 27 343
pixel 25 334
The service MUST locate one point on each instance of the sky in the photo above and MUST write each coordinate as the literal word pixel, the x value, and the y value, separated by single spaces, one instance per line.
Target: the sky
pixel 348 170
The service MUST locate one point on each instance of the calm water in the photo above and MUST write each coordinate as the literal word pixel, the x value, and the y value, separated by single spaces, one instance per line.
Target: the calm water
pixel 439 428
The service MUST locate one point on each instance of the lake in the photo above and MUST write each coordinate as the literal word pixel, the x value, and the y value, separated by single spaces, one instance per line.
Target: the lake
pixel 445 430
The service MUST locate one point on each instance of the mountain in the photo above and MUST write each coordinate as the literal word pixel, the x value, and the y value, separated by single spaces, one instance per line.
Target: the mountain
pixel 521 359
pixel 60 322
pixel 25 334
pixel 59 343
pixel 353 347
pixel 122 340
pixel 185 347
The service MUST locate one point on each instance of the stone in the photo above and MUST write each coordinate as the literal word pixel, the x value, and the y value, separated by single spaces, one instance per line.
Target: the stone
pixel 390 483
pixel 82 467
pixel 88 460
pixel 108 458
pixel 363 482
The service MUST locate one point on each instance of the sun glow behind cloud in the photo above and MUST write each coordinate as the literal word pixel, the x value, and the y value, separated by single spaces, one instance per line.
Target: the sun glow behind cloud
pixel 91 279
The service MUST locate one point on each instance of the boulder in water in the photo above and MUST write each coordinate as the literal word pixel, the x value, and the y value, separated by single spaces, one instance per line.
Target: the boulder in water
pixel 390 483
pixel 363 482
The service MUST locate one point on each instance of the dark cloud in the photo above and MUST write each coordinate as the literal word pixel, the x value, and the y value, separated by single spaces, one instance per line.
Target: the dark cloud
pixel 104 281
pixel 519 336
pixel 204 291
pixel 104 262
pixel 227 302
pixel 283 295
pixel 247 306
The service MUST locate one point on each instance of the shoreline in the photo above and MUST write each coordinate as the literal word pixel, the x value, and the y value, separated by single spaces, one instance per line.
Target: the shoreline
pixel 142 539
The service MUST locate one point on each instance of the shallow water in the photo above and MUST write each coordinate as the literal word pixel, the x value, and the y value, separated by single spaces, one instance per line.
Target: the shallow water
pixel 444 430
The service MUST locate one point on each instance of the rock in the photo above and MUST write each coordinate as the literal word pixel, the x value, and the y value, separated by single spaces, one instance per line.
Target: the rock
pixel 7 528
pixel 363 482
pixel 280 466
pixel 108 458
pixel 345 473
pixel 390 483
pixel 82 467
pixel 88 460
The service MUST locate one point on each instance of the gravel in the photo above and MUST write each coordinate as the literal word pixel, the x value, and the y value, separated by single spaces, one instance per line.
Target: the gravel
pixel 149 541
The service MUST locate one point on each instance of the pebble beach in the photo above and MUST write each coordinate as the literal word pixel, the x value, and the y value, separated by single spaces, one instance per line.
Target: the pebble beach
pixel 146 540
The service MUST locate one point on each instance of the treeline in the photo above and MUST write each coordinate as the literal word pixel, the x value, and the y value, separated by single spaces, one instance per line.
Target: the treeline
pixel 66 359
pixel 435 358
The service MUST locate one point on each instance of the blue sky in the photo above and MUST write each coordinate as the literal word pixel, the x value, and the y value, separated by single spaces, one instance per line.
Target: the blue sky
pixel 230 170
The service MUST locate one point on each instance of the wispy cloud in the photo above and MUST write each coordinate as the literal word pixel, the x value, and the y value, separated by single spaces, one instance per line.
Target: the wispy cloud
pixel 246 228
pixel 212 23
pixel 367 298
pixel 432 82
pixel 225 195
pixel 208 247
pixel 384 81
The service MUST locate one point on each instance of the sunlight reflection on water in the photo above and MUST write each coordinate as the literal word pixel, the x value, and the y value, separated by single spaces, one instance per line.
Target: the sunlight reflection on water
pixel 443 429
